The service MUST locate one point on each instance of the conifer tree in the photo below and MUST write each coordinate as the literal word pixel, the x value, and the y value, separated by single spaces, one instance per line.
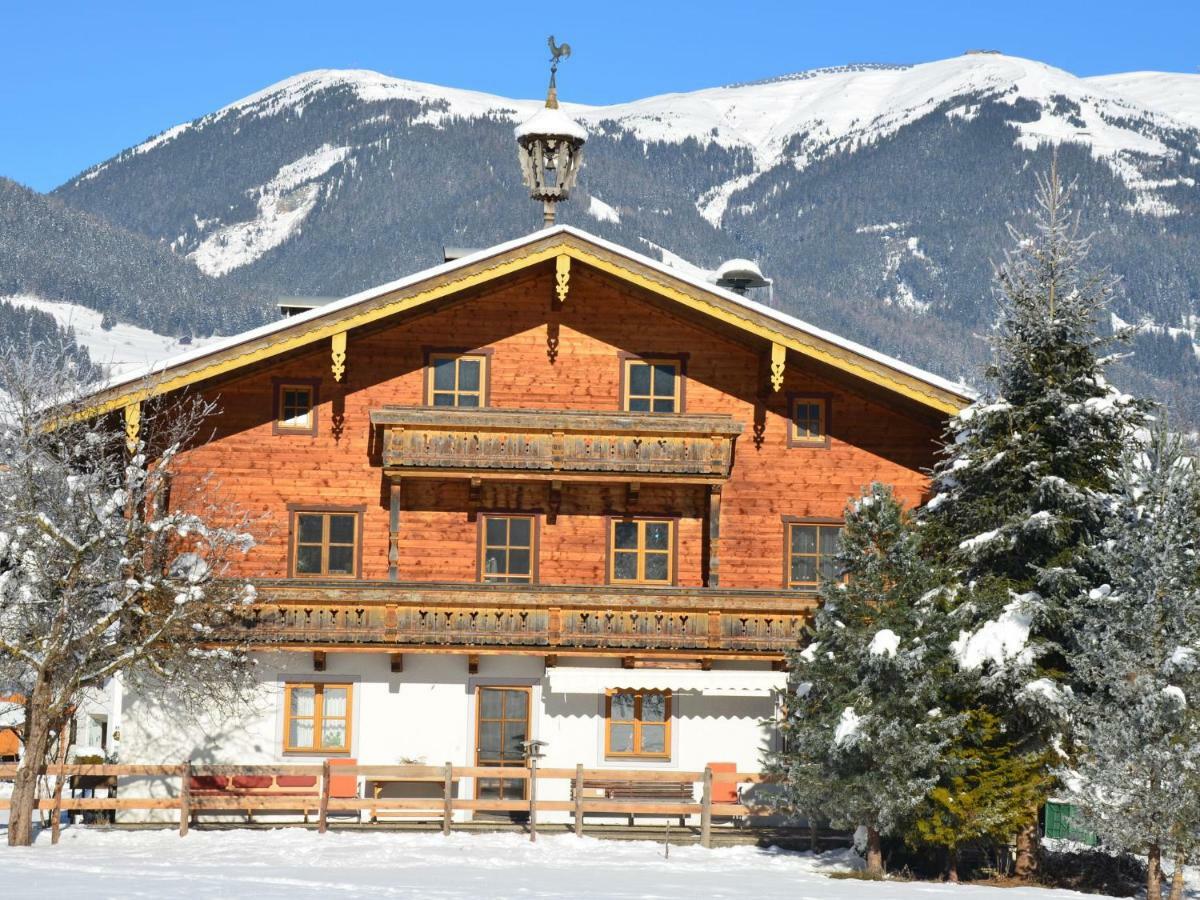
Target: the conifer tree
pixel 861 739
pixel 1020 494
pixel 1137 775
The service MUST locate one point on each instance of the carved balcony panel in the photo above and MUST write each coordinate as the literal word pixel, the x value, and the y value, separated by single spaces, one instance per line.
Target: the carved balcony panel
pixel 553 619
pixel 558 444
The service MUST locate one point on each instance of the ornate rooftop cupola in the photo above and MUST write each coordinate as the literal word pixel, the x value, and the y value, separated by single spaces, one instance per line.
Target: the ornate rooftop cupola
pixel 550 145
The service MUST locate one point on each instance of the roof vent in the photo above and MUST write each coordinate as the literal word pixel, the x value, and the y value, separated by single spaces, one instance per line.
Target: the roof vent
pixel 739 275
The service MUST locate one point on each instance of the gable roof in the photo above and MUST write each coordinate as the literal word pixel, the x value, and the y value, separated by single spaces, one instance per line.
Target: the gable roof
pixel 374 304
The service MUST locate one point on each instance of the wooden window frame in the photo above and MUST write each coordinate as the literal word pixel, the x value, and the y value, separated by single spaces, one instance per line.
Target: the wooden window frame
pixel 679 360
pixel 318 717
pixel 795 440
pixel 534 543
pixel 818 522
pixel 279 385
pixel 529 720
pixel 297 509
pixel 484 354
pixel 673 549
pixel 637 723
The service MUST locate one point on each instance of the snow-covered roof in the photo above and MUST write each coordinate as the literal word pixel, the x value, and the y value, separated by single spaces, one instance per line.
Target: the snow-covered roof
pixel 136 380
pixel 548 121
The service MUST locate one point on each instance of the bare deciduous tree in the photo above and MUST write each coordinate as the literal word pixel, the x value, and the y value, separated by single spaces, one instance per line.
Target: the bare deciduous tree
pixel 111 560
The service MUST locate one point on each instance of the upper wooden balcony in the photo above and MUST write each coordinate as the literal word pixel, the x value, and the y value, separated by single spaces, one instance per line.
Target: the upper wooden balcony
pixel 531 618
pixel 559 444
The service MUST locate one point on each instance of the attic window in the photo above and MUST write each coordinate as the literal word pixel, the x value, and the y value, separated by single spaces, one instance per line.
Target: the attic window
pixel 809 422
pixel 295 407
pixel 652 385
pixel 457 379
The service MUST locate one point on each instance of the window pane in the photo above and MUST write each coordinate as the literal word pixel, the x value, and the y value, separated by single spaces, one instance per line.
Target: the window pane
pixel 493 562
pixel 468 374
pixel 471 400
pixel 639 404
pixel 654 707
pixel 664 380
pixel 491 704
pixel 625 566
pixel 658 535
pixel 519 531
pixel 804 569
pixel 657 567
pixel 804 539
pixel 443 374
pixel 516 703
pixel 620 738
pixel 301 733
pixel 308 559
pixel 488 788
pixel 518 562
pixel 333 735
pixel 829 568
pixel 335 703
pixel 664 406
pixel 341 560
pixel 622 706
pixel 514 740
pixel 831 540
pixel 341 529
pixel 497 531
pixel 654 739
pixel 310 528
pixel 302 702
pixel 512 789
pixel 443 399
pixel 625 535
pixel 639 378
pixel 489 739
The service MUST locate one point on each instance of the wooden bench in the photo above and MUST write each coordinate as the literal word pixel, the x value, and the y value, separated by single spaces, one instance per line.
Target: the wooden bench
pixel 305 788
pixel 647 791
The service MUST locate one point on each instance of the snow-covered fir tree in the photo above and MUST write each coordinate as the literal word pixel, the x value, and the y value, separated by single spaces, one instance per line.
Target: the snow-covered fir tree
pixel 1137 772
pixel 860 737
pixel 1021 493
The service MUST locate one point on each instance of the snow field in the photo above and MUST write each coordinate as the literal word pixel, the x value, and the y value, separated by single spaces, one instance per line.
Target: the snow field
pixel 294 864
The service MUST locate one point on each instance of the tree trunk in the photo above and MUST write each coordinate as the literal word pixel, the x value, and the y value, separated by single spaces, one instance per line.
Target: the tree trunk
pixel 814 833
pixel 1177 876
pixel 1026 865
pixel 874 853
pixel 37 742
pixel 952 865
pixel 1154 873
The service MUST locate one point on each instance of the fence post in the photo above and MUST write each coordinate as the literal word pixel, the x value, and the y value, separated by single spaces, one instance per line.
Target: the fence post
pixel 185 797
pixel 532 798
pixel 706 809
pixel 448 799
pixel 579 800
pixel 323 814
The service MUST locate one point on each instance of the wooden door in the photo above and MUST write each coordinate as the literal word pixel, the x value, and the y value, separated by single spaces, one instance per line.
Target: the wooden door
pixel 501 729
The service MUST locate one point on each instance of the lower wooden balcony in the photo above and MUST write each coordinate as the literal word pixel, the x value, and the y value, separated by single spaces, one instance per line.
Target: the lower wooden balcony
pixel 546 619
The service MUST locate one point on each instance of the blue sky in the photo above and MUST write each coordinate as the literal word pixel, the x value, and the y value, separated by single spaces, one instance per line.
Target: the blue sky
pixel 79 81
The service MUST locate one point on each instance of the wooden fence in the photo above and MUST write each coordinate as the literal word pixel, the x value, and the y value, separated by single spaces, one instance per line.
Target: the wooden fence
pixel 443 807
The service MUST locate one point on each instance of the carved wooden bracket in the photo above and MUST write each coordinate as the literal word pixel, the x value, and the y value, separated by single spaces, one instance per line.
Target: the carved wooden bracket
pixel 778 356
pixel 133 426
pixel 562 276
pixel 633 489
pixel 397 662
pixel 318 660
pixel 472 663
pixel 555 502
pixel 474 495
pixel 338 355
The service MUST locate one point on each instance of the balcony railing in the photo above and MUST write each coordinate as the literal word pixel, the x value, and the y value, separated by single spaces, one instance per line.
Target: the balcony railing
pixel 590 619
pixel 562 444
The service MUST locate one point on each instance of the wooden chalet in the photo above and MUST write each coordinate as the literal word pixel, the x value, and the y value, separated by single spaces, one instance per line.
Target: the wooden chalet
pixel 551 490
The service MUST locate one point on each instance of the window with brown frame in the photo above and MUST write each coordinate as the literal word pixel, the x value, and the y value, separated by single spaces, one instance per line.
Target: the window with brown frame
pixel 325 544
pixel 809 422
pixel 457 379
pixel 295 408
pixel 637 723
pixel 812 553
pixel 507 549
pixel 642 551
pixel 653 386
pixel 316 718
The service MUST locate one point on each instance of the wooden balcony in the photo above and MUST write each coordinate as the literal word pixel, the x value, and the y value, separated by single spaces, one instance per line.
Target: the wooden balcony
pixel 546 619
pixel 557 444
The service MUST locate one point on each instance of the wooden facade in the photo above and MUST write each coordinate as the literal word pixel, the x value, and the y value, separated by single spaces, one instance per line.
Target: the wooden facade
pixel 373 501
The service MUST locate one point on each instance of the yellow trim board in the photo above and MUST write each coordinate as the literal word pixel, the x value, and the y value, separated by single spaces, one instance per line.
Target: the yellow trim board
pixel 527 256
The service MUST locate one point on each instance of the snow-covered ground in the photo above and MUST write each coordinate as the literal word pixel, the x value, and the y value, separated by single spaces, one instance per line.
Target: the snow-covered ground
pixel 121 349
pixel 296 865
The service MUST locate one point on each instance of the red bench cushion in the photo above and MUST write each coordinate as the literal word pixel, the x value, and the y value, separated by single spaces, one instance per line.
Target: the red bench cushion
pixel 253 781
pixel 208 783
pixel 296 781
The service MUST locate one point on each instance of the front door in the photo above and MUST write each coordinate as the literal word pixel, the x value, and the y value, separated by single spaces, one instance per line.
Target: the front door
pixel 501 729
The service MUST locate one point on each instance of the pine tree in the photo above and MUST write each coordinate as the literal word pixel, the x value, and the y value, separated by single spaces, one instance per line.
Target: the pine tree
pixel 1137 776
pixel 860 739
pixel 1020 494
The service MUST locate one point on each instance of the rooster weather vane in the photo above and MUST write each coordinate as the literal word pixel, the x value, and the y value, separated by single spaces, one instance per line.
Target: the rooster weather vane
pixel 558 52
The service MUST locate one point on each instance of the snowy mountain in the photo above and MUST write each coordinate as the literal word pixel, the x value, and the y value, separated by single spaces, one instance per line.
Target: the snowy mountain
pixel 874 195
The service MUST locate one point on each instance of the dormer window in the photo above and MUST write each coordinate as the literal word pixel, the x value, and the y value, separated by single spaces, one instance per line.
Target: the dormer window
pixel 653 385
pixel 295 407
pixel 457 379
